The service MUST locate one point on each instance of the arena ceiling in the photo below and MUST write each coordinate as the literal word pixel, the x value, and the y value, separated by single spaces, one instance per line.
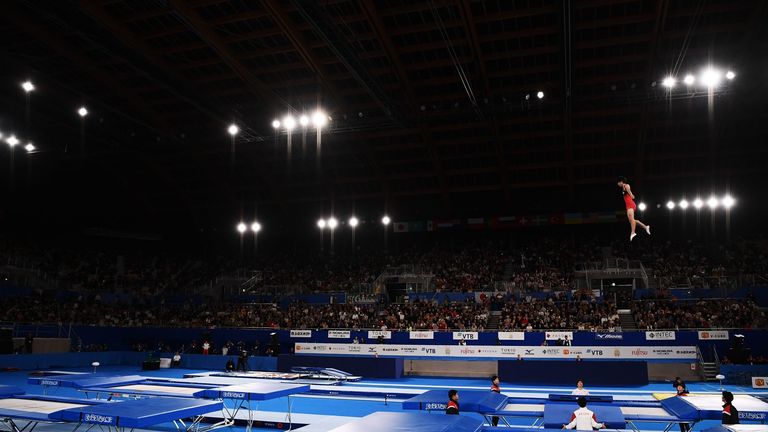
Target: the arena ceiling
pixel 433 104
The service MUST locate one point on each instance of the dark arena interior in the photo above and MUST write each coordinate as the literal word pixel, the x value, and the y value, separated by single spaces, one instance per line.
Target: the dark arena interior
pixel 371 215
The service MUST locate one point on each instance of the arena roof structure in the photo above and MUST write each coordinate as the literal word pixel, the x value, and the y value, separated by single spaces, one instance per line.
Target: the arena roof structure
pixel 435 106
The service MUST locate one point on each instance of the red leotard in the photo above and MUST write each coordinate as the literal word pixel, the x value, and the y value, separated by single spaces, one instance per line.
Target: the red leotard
pixel 628 201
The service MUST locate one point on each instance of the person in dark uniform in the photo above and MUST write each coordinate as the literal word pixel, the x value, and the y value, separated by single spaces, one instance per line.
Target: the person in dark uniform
pixel 453 403
pixel 496 389
pixel 230 367
pixel 29 341
pixel 242 360
pixel 730 413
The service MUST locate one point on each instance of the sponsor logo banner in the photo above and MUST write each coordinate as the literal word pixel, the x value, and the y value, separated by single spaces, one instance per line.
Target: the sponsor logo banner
pixel 713 335
pixel 301 333
pixel 559 335
pixel 482 351
pixel 759 382
pixel 465 335
pixel 421 335
pixel 339 334
pixel 609 336
pixel 374 334
pixel 515 336
pixel 659 335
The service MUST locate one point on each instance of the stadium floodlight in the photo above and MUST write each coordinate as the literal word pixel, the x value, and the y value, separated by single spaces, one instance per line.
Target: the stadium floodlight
pixel 670 205
pixel 540 95
pixel 321 223
pixel 683 204
pixel 233 129
pixel 303 120
pixel 353 222
pixel 711 77
pixel 698 203
pixel 669 82
pixel 29 147
pixel 82 111
pixel 28 86
pixel 689 79
pixel 256 227
pixel 319 119
pixel 728 201
pixel 289 122
pixel 712 202
pixel 386 220
pixel 332 223
pixel 642 206
pixel 241 228
pixel 730 75
pixel 12 140
pixel 276 123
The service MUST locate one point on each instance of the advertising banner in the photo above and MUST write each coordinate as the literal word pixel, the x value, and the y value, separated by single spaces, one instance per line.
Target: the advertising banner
pixel 532 352
pixel 301 333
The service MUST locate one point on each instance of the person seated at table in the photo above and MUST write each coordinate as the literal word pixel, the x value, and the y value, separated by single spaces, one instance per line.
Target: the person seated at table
pixel 583 419
pixel 730 413
pixel 580 390
pixel 453 402
pixel 230 367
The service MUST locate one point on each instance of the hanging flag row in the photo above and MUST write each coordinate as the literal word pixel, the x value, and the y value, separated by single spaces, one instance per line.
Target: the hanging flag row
pixel 501 222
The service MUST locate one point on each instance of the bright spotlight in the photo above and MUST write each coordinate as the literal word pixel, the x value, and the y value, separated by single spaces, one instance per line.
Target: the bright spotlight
pixel 255 227
pixel 241 228
pixel 698 203
pixel 321 223
pixel 689 79
pixel 304 120
pixel 386 220
pixel 289 122
pixel 642 206
pixel 319 119
pixel 669 82
pixel 730 75
pixel 670 205
pixel 353 222
pixel 712 202
pixel 711 77
pixel 683 204
pixel 332 222
pixel 276 123
pixel 12 140
pixel 728 201
pixel 83 111
pixel 540 95
pixel 28 86
pixel 29 147
pixel 233 129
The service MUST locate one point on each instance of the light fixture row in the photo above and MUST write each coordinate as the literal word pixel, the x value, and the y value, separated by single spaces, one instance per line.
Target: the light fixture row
pixel 255 227
pixel 318 119
pixel 332 223
pixel 713 202
pixel 710 78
